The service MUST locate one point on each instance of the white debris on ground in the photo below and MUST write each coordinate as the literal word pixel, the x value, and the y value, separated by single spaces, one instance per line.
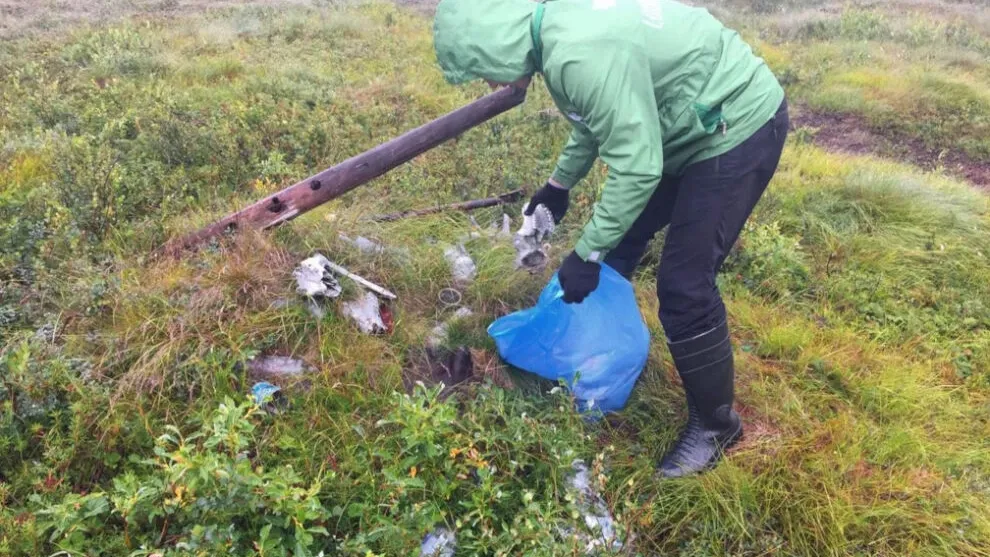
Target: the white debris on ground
pixel 383 292
pixel 528 241
pixel 602 535
pixel 372 248
pixel 315 280
pixel 364 245
pixel 441 542
pixel 461 264
pixel 461 313
pixel 366 313
pixel 439 334
pixel 506 230
pixel 276 366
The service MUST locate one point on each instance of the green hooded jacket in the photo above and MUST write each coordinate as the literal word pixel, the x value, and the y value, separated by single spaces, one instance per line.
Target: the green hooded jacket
pixel 649 86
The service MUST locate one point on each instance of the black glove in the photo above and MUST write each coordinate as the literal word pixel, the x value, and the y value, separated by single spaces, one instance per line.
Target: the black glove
pixel 553 198
pixel 578 278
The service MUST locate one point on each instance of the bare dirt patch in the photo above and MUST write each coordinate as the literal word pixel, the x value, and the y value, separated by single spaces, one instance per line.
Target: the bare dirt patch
pixel 849 133
pixel 455 368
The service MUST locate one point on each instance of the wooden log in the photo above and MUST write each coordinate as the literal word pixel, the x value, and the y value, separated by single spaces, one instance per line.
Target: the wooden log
pixel 508 197
pixel 353 172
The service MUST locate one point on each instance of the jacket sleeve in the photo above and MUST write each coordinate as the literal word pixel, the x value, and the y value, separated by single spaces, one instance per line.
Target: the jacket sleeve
pixel 577 158
pixel 612 90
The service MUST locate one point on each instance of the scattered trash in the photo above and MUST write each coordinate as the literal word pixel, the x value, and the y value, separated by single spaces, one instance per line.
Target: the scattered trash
pixel 449 297
pixel 439 334
pixel 358 279
pixel 528 241
pixel 461 264
pixel 372 248
pixel 364 245
pixel 366 312
pixel 506 230
pixel 316 282
pixel 462 313
pixel 604 535
pixel 276 366
pixel 441 542
pixel 314 278
pixel 387 318
pixel 269 397
pixel 568 342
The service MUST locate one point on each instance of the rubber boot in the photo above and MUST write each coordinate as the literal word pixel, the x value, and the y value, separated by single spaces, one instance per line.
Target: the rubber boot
pixel 705 366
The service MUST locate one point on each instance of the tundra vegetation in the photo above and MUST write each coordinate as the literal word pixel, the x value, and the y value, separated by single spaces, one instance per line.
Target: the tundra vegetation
pixel 859 294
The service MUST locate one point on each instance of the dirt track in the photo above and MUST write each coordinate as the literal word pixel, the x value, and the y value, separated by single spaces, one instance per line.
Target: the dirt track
pixel 848 133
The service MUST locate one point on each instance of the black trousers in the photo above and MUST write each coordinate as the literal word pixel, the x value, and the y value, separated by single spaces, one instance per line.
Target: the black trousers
pixel 706 208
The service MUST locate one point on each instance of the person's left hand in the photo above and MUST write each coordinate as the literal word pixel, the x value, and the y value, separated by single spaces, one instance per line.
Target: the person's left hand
pixel 578 278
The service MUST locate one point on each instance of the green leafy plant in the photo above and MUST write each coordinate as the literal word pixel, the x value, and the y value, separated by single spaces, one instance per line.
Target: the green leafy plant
pixel 858 298
pixel 200 493
pixel 768 262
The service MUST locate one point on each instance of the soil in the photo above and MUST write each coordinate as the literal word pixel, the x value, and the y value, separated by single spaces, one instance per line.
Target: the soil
pixel 454 368
pixel 849 133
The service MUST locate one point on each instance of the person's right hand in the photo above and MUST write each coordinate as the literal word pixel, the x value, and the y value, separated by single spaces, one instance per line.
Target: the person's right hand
pixel 553 198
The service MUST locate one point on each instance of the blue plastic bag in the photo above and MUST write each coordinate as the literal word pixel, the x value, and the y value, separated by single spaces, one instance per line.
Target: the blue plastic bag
pixel 602 341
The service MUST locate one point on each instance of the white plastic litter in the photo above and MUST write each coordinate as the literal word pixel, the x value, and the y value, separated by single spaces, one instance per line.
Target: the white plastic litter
pixel 364 245
pixel 461 264
pixel 439 334
pixel 315 280
pixel 506 231
pixel 441 542
pixel 366 313
pixel 539 225
pixel 384 293
pixel 461 313
pixel 528 241
pixel 597 518
pixel 500 228
pixel 276 366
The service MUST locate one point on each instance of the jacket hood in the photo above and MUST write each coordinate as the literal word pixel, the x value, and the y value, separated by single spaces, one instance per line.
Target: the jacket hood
pixel 484 39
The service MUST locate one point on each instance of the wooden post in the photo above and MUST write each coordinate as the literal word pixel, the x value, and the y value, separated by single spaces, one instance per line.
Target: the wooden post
pixel 355 171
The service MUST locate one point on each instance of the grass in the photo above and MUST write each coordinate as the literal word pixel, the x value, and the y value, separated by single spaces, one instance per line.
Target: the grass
pixel 858 297
pixel 909 69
